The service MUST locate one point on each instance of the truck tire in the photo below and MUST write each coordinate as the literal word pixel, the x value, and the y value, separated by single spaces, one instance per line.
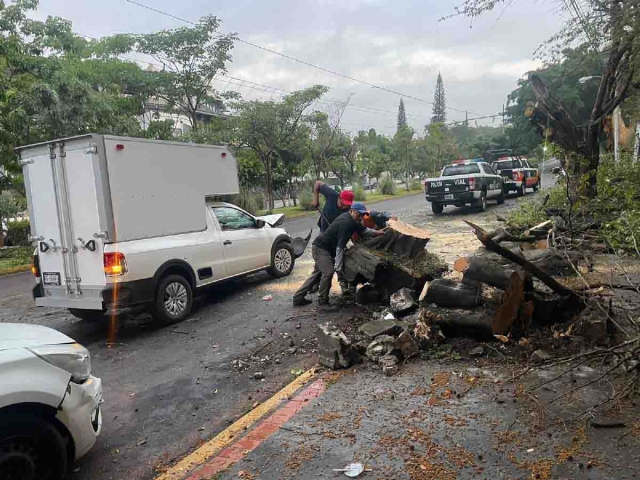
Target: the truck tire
pixel 87 315
pixel 536 187
pixel 31 448
pixel 282 261
pixel 437 208
pixel 174 299
pixel 482 201
pixel 500 198
pixel 522 191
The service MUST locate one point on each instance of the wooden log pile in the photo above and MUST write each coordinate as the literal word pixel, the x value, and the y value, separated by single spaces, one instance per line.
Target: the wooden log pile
pixel 395 260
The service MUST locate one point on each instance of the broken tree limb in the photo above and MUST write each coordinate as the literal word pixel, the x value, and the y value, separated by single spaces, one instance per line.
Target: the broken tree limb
pixel 526 264
pixel 448 293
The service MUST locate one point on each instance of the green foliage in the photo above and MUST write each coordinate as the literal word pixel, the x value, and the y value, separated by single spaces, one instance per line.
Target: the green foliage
pixel 12 257
pixel 530 212
pixel 402 115
pixel 359 194
pixel 17 233
pixel 416 184
pixel 8 208
pixel 305 197
pixel 249 201
pixel 387 186
pixel 439 102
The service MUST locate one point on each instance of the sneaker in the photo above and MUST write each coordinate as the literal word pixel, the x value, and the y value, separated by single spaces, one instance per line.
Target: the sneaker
pixel 301 302
pixel 325 306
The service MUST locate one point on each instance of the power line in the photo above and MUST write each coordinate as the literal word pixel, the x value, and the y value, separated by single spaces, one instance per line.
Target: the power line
pixel 303 62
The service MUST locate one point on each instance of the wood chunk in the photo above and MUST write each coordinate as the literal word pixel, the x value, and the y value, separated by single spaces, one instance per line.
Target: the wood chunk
pixel 400 239
pixel 509 309
pixel 488 272
pixel 448 293
pixel 461 264
pixel 540 228
pixel 475 323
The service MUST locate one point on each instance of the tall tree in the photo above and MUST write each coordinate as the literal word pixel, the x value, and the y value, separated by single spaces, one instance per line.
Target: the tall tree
pixel 190 56
pixel 439 102
pixel 402 116
pixel 270 127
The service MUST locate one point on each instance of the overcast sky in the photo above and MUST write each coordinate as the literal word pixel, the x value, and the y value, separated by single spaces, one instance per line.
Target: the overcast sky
pixel 397 44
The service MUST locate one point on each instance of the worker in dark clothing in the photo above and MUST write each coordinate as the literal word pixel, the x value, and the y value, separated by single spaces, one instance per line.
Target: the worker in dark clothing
pixel 328 253
pixel 375 221
pixel 335 203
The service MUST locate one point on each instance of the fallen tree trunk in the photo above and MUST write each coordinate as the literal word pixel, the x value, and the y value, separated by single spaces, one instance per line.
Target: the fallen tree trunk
pixel 526 264
pixel 448 293
pixel 488 272
pixel 401 239
pixel 509 308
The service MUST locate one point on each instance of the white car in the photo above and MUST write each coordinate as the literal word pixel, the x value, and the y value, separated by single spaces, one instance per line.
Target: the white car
pixel 49 402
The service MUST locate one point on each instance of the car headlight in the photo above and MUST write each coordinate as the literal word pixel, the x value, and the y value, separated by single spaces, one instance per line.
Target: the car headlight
pixel 71 357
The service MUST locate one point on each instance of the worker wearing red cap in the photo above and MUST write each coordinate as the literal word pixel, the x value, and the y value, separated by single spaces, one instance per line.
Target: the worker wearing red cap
pixel 335 203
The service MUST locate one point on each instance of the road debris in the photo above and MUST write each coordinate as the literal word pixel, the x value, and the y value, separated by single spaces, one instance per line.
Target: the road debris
pixel 352 470
pixel 267 298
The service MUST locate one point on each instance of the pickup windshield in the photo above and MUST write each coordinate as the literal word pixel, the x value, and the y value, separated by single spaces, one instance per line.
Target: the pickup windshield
pixel 505 164
pixel 460 170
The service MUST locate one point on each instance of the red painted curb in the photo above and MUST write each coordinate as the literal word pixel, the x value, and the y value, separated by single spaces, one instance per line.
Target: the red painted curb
pixel 259 434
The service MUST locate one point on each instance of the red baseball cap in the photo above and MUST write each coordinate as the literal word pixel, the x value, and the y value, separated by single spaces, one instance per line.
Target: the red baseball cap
pixel 346 197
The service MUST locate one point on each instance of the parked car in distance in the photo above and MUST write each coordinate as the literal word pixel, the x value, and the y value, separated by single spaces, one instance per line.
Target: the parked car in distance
pixel 50 412
pixel 518 174
pixel 471 183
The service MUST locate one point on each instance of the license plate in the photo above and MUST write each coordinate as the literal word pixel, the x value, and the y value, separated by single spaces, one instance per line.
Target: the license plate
pixel 449 197
pixel 51 278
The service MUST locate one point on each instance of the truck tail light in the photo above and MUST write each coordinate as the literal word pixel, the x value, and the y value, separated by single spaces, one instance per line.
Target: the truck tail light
pixel 516 176
pixel 35 266
pixel 426 187
pixel 472 183
pixel 114 264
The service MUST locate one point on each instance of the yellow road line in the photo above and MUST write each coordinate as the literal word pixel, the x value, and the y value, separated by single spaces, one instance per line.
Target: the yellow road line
pixel 230 434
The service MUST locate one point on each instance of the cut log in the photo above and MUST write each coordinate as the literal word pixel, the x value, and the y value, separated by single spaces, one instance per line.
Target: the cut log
pixel 509 309
pixel 488 272
pixel 400 239
pixel 448 293
pixel 461 264
pixel 470 282
pixel 475 323
pixel 526 264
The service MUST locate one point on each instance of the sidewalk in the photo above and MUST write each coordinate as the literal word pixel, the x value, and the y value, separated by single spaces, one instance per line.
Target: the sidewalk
pixel 433 421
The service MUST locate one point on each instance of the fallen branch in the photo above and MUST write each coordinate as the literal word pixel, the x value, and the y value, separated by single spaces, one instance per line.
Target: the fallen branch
pixel 527 265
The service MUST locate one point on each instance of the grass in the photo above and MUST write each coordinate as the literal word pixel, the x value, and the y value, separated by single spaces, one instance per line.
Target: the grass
pixel 15 259
pixel 295 212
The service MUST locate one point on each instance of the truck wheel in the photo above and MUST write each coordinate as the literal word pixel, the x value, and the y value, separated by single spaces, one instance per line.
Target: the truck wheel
pixel 87 315
pixel 282 261
pixel 536 187
pixel 174 299
pixel 437 208
pixel 522 190
pixel 500 198
pixel 482 202
pixel 31 449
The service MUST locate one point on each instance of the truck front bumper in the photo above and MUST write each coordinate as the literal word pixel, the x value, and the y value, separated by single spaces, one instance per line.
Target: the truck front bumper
pixel 458 198
pixel 81 413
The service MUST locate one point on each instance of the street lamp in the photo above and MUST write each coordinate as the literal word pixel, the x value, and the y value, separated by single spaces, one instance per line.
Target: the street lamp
pixel 616 121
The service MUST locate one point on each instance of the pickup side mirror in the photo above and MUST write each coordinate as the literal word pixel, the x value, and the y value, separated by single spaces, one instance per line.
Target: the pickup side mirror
pixel 260 223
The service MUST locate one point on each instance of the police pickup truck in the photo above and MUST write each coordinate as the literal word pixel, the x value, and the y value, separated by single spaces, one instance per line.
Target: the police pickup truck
pixel 469 183
pixel 518 174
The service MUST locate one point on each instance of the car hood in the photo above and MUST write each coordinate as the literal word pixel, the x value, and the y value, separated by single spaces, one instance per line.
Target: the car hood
pixel 20 335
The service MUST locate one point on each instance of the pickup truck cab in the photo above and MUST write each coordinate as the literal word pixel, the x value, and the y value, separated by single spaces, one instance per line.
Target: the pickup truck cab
pixel 469 183
pixel 518 174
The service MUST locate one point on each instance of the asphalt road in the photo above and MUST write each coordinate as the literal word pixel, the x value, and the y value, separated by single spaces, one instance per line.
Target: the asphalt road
pixel 168 389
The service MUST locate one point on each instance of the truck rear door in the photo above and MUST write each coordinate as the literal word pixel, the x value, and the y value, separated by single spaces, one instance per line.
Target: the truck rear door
pixel 63 193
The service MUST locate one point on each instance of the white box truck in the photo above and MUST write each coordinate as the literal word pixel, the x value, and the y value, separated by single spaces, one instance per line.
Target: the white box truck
pixel 126 222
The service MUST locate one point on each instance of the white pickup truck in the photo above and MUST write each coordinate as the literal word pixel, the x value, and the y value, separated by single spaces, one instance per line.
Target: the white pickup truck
pixel 125 222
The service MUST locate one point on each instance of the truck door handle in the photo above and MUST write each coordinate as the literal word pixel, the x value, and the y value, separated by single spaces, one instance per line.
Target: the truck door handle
pixel 227 242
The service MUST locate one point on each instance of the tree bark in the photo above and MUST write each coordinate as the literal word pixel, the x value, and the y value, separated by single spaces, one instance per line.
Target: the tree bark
pixel 453 322
pixel 448 293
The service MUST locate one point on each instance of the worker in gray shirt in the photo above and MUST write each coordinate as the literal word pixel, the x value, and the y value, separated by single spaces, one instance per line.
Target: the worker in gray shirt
pixel 328 253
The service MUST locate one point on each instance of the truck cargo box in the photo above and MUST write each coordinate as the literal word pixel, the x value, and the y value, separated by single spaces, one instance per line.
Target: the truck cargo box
pixel 93 189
